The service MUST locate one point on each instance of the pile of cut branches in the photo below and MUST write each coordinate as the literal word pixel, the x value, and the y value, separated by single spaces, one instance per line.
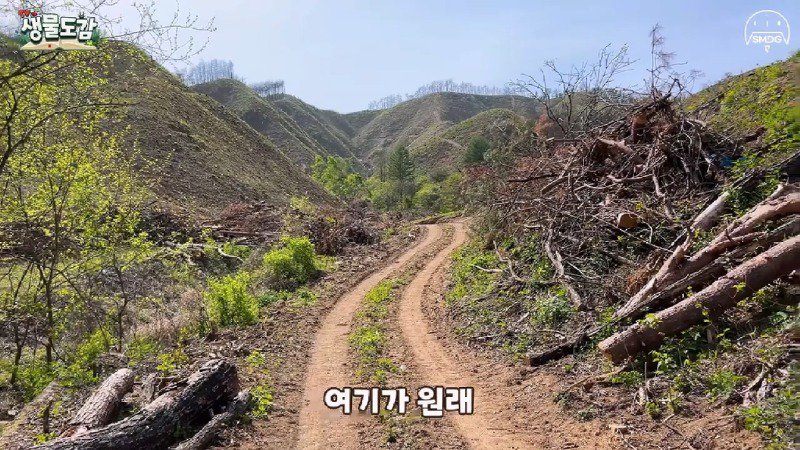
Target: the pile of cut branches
pixel 622 200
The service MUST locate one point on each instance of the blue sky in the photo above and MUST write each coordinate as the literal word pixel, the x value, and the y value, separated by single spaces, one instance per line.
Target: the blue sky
pixel 342 54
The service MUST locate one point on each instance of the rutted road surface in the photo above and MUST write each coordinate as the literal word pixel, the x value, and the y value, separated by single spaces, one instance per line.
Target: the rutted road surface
pixel 489 427
pixel 484 428
pixel 321 427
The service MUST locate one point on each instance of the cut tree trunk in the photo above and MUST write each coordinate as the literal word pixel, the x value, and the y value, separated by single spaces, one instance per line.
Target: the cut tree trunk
pixel 785 201
pixel 103 405
pixel 183 406
pixel 739 283
pixel 203 438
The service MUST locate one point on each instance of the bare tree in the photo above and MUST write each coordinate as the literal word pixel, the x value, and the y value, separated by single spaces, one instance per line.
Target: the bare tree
pixel 206 71
pixel 580 97
pixel 269 88
pixel 664 75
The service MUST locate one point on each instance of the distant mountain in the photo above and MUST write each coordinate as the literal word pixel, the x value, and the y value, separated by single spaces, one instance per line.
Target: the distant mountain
pixel 299 130
pixel 303 131
pixel 207 158
pixel 414 122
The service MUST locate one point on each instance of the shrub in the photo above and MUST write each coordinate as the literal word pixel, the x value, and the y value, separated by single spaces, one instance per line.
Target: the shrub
pixel 291 264
pixel 33 377
pixel 229 302
pixel 774 418
pixel 723 383
pixel 451 196
pixel 553 308
pixel 261 401
pixel 81 369
pixel 476 152
pixel 169 362
pixel 428 197
pixel 382 194
pixel 256 359
pixel 140 348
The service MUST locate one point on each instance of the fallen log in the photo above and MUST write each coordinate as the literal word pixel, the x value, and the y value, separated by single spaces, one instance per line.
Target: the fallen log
pixel 203 438
pixel 103 405
pixel 711 214
pixel 785 201
pixel 183 406
pixel 717 268
pixel 738 284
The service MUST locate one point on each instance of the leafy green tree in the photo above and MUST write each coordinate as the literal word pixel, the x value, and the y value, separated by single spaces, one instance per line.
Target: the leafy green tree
pixel 452 198
pixel 69 206
pixel 428 196
pixel 400 169
pixel 338 176
pixel 381 193
pixel 476 151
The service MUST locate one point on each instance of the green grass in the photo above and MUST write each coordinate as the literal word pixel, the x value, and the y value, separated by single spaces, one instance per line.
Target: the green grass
pixel 368 339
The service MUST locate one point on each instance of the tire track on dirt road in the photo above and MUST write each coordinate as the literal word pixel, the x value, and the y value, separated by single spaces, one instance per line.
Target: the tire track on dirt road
pixel 321 427
pixel 485 428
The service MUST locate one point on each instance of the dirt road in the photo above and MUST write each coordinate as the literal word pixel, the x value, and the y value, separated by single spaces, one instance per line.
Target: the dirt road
pixel 509 412
pixel 486 428
pixel 321 427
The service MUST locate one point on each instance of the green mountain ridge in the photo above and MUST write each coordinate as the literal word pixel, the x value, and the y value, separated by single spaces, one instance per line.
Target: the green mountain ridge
pixel 303 131
pixel 206 157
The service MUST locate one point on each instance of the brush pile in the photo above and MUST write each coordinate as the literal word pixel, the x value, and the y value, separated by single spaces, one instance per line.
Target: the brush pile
pixel 616 212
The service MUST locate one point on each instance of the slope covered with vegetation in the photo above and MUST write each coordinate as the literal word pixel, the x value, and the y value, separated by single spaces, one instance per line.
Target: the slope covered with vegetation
pixel 206 157
pixel 263 117
pixel 448 148
pixel 412 122
pixel 329 128
pixel 617 262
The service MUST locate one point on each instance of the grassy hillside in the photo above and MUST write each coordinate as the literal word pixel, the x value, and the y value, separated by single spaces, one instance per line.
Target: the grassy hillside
pixel 447 148
pixel 329 129
pixel 303 131
pixel 263 117
pixel 413 122
pixel 207 158
pixel 766 99
pixel 360 119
